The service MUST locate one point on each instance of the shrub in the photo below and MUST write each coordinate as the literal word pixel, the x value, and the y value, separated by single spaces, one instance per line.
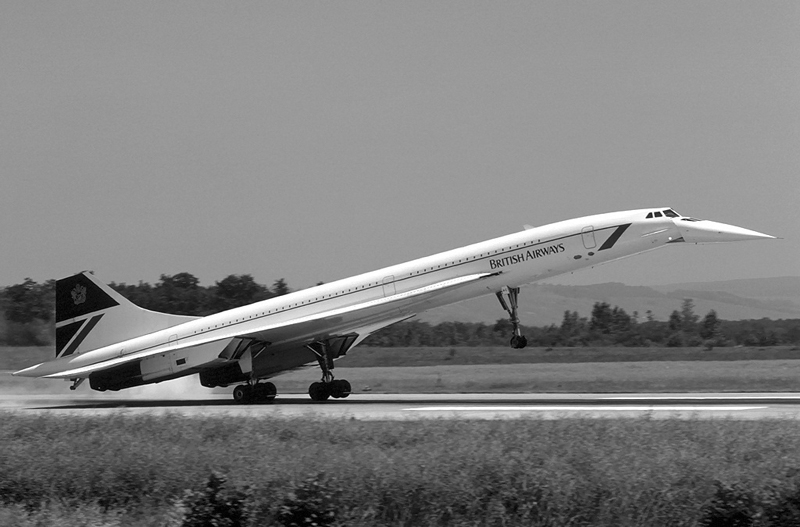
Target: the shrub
pixel 310 503
pixel 215 505
pixel 731 506
pixel 736 506
pixel 676 340
pixel 784 508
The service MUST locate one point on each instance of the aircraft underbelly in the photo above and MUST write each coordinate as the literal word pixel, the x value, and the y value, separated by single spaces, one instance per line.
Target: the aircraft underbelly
pixel 273 361
pixel 170 363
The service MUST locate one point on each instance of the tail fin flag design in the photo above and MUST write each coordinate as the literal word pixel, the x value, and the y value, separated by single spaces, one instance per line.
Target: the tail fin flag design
pixel 90 315
pixel 78 296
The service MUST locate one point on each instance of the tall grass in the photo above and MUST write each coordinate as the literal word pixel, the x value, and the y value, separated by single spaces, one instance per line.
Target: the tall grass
pixel 149 470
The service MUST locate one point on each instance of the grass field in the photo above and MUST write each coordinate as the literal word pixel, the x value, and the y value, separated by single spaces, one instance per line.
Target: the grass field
pixel 15 358
pixel 137 470
pixel 568 370
pixel 741 376
pixel 411 357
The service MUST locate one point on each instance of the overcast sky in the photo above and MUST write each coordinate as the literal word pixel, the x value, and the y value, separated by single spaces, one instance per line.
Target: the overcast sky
pixel 317 140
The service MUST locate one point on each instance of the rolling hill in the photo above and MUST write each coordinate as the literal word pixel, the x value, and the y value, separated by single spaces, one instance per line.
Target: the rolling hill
pixel 542 304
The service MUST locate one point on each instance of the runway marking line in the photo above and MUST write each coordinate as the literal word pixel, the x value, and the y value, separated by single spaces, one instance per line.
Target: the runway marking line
pixel 700 397
pixel 581 408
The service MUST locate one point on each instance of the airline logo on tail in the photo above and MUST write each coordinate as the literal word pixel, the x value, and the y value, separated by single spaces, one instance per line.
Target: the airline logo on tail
pixel 79 294
pixel 77 299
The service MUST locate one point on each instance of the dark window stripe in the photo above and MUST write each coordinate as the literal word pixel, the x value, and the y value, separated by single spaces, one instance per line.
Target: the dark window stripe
pixel 609 243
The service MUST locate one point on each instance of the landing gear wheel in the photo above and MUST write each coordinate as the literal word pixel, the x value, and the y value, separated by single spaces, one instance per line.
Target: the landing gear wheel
pixel 242 394
pixel 340 389
pixel 264 392
pixel 518 342
pixel 319 391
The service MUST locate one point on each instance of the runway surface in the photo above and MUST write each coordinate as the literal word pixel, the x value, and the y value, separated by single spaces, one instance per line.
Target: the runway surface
pixel 430 406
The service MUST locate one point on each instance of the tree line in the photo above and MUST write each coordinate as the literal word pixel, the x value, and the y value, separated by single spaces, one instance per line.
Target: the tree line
pixel 606 326
pixel 29 318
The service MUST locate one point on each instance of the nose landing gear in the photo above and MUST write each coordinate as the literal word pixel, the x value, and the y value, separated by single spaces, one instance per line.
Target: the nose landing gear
pixel 518 340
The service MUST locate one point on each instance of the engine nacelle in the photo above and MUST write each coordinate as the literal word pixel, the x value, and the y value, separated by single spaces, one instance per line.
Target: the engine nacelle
pixel 223 376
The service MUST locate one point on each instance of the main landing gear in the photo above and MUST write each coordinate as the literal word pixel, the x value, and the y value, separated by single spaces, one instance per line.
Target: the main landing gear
pixel 326 351
pixel 518 341
pixel 257 392
pixel 320 391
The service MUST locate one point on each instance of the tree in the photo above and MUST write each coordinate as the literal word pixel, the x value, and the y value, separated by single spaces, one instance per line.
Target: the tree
pixel 30 301
pixel 569 324
pixel 29 309
pixel 502 327
pixel 238 290
pixel 602 318
pixel 688 317
pixel 181 280
pixel 181 294
pixel 675 321
pixel 652 331
pixel 620 321
pixel 709 327
pixel 279 287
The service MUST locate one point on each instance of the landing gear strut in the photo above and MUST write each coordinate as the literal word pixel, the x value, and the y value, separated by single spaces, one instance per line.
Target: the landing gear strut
pixel 257 392
pixel 326 351
pixel 518 341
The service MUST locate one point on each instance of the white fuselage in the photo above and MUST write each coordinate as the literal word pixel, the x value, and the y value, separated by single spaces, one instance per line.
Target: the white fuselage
pixel 508 261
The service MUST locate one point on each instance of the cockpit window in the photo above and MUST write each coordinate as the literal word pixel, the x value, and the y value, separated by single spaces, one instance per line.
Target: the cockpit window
pixel 669 213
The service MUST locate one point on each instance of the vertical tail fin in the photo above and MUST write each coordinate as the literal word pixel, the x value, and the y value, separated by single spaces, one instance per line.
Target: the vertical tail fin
pixel 90 315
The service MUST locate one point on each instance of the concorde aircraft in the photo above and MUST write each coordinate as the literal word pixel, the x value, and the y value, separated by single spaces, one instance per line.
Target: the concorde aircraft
pixel 103 337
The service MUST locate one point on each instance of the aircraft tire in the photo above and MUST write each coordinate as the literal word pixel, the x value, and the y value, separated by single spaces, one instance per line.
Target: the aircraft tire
pixel 264 392
pixel 340 389
pixel 518 342
pixel 242 394
pixel 319 391
pixel 346 389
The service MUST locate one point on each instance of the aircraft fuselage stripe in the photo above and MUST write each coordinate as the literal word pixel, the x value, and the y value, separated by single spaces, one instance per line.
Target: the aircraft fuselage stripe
pixel 609 243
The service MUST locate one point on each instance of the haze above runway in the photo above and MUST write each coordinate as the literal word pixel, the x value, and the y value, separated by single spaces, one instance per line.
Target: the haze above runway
pixel 483 406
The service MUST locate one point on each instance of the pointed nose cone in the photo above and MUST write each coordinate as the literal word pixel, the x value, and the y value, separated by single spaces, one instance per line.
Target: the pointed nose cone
pixel 705 231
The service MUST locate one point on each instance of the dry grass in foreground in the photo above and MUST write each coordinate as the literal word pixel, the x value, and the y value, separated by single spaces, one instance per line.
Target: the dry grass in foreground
pixel 144 470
